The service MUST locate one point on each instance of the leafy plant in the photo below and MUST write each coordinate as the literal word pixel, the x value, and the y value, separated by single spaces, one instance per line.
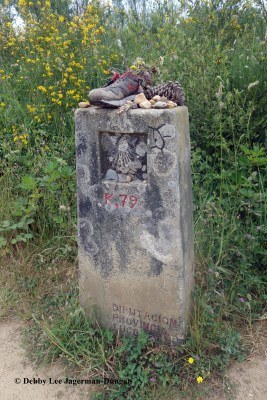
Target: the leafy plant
pixel 216 51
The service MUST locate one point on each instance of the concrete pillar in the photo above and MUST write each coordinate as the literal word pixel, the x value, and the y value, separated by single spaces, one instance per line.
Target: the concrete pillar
pixel 135 219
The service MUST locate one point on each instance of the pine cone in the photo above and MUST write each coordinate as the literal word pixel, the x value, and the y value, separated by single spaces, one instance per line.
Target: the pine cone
pixel 172 90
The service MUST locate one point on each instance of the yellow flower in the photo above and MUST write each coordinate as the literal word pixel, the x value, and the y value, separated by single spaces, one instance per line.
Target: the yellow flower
pixel 30 108
pixel 42 89
pixel 70 92
pixel 199 379
pixel 191 360
pixel 22 3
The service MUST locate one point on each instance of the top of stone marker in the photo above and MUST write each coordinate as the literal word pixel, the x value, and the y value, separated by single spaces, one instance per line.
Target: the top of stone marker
pixel 137 111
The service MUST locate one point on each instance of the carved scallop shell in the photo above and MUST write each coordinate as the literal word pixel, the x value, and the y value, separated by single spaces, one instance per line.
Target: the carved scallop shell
pixel 126 153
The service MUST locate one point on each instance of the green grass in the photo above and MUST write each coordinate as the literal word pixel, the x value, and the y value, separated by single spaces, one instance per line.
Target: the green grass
pixel 216 52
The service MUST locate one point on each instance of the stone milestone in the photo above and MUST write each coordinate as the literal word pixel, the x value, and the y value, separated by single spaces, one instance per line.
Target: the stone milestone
pixel 135 219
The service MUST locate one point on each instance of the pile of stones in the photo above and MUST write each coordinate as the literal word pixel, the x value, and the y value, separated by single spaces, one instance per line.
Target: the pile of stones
pixel 156 102
pixel 139 101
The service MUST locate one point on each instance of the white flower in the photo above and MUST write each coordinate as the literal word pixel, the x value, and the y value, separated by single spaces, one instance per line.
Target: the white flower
pixel 219 93
pixel 61 207
pixel 252 84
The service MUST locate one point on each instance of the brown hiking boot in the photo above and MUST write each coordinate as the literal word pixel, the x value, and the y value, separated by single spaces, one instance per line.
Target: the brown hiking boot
pixel 126 85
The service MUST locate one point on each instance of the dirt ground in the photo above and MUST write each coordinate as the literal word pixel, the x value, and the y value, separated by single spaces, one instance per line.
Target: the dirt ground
pixel 249 379
pixel 246 381
pixel 14 366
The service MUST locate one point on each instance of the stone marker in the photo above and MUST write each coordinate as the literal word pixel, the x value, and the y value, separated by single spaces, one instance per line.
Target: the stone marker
pixel 135 231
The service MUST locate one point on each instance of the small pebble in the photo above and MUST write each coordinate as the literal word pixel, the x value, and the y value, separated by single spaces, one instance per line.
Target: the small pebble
pixel 144 168
pixel 163 98
pixel 171 104
pixel 160 104
pixel 139 98
pixel 156 98
pixel 144 176
pixel 145 104
pixel 123 178
pixel 141 149
pixel 111 175
pixel 136 164
pixel 84 104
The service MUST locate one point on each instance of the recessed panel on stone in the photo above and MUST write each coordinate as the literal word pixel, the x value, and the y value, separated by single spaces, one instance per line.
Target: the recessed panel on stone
pixel 135 219
pixel 123 156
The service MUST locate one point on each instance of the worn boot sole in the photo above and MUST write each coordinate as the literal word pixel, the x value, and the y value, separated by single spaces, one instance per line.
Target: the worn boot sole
pixel 113 103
